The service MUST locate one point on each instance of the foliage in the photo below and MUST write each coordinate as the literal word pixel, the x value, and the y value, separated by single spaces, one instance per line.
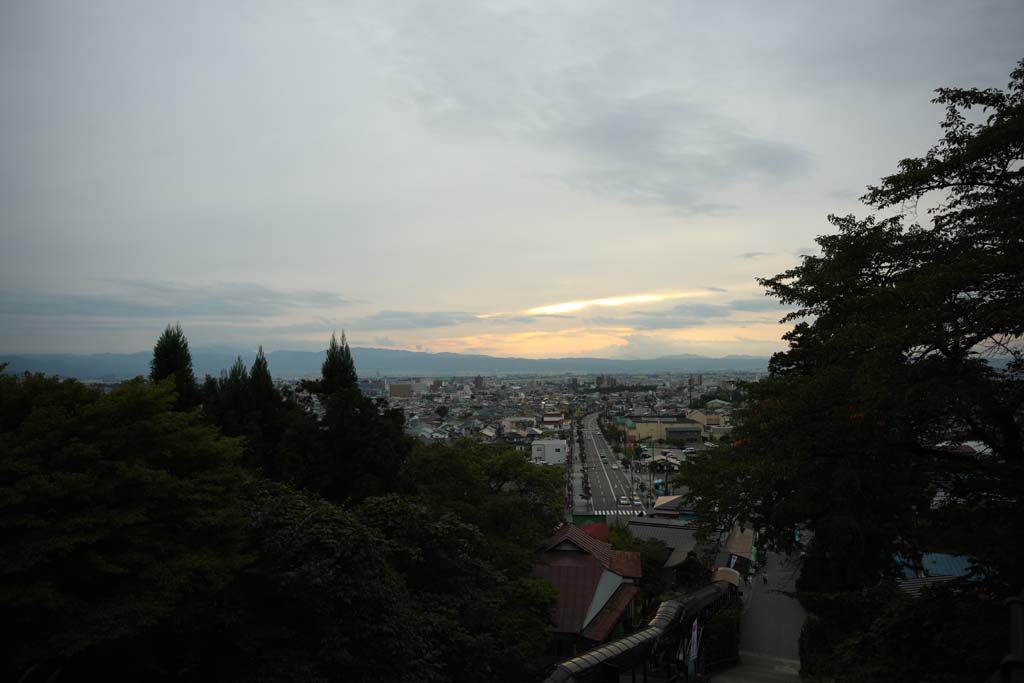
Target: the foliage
pixel 172 357
pixel 134 549
pixel 657 579
pixel 339 370
pixel 118 514
pixel 945 635
pixel 890 359
pixel 514 502
pixel 323 600
pixel 356 452
pixel 246 403
pixel 486 621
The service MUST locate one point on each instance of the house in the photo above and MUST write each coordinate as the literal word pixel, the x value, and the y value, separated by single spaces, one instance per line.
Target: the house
pixel 553 421
pixel 549 451
pixel 670 507
pixel 596 587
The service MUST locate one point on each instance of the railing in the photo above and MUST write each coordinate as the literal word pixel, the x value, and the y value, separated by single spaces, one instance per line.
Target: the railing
pixel 1011 669
pixel 655 647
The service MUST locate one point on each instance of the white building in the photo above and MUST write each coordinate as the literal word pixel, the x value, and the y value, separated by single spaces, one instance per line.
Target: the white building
pixel 549 451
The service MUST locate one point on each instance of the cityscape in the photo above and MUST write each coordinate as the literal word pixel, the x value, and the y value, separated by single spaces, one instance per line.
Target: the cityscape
pixel 512 341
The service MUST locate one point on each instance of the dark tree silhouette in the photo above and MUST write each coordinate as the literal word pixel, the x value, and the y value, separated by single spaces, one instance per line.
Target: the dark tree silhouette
pixel 172 357
pixel 339 370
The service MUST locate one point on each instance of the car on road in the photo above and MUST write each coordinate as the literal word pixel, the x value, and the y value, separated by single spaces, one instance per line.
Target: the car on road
pixel 615 467
pixel 637 503
pixel 623 500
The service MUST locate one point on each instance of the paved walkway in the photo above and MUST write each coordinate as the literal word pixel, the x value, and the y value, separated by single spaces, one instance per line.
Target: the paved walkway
pixel 769 629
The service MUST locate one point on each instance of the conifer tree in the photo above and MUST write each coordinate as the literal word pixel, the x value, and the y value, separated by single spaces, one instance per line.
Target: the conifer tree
pixel 339 371
pixel 172 357
pixel 261 384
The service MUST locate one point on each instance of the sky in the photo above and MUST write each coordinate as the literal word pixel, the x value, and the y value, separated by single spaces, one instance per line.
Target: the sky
pixel 536 179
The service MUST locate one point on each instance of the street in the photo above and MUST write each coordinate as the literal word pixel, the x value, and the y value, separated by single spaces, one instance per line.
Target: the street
pixel 769 628
pixel 607 485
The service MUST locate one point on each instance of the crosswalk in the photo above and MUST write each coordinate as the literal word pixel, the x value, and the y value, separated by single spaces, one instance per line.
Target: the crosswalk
pixel 618 511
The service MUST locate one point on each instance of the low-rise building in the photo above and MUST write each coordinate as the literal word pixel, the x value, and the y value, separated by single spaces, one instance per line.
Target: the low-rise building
pixel 596 587
pixel 549 451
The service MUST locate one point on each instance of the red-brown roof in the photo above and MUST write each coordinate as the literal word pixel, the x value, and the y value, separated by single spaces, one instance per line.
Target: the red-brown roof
pixel 576 578
pixel 602 551
pixel 627 563
pixel 573 563
pixel 598 530
pixel 602 624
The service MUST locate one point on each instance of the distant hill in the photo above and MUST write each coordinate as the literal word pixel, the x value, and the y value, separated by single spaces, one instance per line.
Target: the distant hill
pixel 370 361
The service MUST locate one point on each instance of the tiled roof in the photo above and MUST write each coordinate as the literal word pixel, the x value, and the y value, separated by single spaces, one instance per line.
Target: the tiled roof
pixel 573 563
pixel 627 563
pixel 602 551
pixel 598 530
pixel 576 579
pixel 601 625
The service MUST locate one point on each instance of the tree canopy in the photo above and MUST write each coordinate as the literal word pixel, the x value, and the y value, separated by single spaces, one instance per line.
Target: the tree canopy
pixel 907 343
pixel 137 546
pixel 117 513
pixel 906 347
pixel 339 370
pixel 172 357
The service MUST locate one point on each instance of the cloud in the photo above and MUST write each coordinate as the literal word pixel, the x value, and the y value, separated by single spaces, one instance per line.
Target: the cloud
pixel 621 114
pixel 613 301
pixel 668 149
pixel 690 315
pixel 805 251
pixel 148 299
pixel 758 305
pixel 408 320
pixel 755 254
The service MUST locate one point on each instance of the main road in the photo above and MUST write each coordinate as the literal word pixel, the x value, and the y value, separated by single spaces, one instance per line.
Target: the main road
pixel 608 480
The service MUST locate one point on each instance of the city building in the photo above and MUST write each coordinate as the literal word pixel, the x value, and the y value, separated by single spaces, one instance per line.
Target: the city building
pixel 549 451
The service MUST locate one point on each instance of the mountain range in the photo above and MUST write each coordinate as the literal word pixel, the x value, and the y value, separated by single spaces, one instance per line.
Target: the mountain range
pixel 373 361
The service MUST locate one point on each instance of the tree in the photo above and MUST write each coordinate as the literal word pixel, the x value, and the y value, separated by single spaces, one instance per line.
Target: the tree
pixel 513 501
pixel 907 339
pixel 339 370
pixel 322 599
pixel 261 384
pixel 119 518
pixel 486 621
pixel 356 451
pixel 172 357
